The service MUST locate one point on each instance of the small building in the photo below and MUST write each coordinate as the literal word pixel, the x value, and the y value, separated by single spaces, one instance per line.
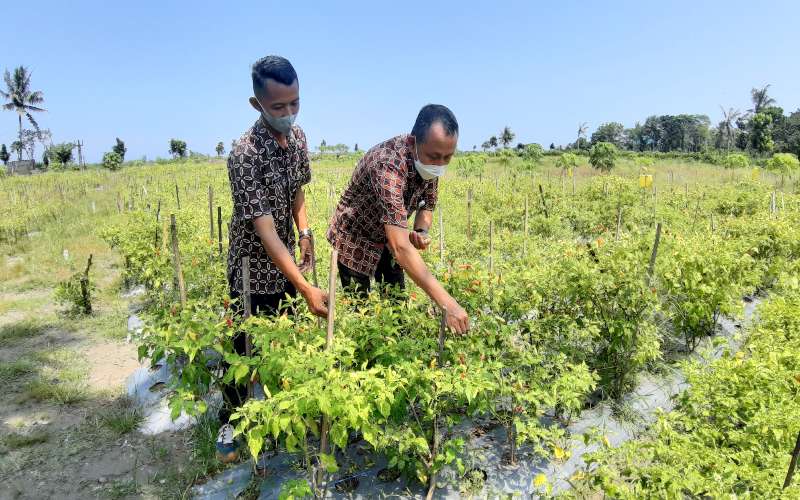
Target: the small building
pixel 22 167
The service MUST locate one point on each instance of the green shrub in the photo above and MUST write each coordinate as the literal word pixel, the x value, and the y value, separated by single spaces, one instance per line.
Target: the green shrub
pixel 603 155
pixel 112 160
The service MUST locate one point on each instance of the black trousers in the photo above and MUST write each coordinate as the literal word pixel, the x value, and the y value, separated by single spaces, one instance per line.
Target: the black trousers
pixel 388 275
pixel 234 395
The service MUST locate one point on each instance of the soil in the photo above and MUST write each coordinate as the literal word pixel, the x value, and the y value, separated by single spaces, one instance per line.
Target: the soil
pixel 78 456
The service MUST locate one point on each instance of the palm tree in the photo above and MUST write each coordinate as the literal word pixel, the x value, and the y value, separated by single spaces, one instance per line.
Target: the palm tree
pixel 726 125
pixel 21 98
pixel 506 136
pixel 760 99
pixel 582 128
pixel 493 142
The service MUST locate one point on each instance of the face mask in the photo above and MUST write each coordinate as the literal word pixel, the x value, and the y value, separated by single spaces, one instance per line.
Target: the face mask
pixel 282 124
pixel 428 172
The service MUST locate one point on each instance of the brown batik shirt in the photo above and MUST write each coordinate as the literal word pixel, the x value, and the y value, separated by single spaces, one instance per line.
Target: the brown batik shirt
pixel 264 181
pixel 385 189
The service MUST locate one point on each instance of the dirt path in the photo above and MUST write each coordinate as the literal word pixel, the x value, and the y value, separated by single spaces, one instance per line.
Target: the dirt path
pixel 68 431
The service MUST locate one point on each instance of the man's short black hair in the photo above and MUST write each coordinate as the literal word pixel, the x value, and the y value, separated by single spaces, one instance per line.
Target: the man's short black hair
pixel 275 68
pixel 433 113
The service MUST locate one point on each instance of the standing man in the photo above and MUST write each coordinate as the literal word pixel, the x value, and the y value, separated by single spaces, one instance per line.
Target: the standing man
pixel 267 169
pixel 370 225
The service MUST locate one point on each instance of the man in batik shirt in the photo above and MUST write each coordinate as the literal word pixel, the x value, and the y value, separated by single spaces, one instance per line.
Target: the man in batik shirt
pixel 267 169
pixel 370 226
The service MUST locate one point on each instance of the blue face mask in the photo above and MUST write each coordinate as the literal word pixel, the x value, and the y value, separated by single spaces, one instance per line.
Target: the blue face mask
pixel 282 124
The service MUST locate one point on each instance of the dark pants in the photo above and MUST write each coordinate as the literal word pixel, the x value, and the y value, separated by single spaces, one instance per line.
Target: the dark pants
pixel 388 275
pixel 234 395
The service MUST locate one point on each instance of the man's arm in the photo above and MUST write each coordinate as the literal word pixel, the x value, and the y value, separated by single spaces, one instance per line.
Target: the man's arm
pixel 409 259
pixel 277 251
pixel 423 219
pixel 301 222
pixel 422 223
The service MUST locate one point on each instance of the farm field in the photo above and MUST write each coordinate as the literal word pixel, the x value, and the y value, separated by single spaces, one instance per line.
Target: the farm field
pixel 570 306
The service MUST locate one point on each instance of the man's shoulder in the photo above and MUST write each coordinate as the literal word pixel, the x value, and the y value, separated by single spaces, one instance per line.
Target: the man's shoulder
pixel 248 144
pixel 389 153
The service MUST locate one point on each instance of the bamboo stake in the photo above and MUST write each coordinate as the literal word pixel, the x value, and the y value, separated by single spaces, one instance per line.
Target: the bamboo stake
pixel 653 255
pixel 525 229
pixel 246 312
pixel 491 247
pixel 323 441
pixel 792 463
pixel 544 203
pixel 219 228
pixel 210 214
pixel 442 331
pixel 469 214
pixel 176 259
pixel 441 236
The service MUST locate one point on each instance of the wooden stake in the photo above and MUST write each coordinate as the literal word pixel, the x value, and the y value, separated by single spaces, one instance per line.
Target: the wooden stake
pixel 210 214
pixel 323 441
pixel 469 214
pixel 219 228
pixel 246 312
pixel 332 297
pixel 525 229
pixel 544 203
pixel 442 331
pixel 441 236
pixel 176 259
pixel 651 267
pixel 491 247
pixel 792 463
pixel 619 220
pixel 177 196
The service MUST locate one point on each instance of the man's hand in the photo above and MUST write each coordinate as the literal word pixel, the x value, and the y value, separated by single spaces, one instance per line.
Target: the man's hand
pixel 317 301
pixel 306 255
pixel 457 318
pixel 420 240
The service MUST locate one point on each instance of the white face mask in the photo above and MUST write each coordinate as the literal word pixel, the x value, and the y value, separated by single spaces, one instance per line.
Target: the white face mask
pixel 428 172
pixel 282 124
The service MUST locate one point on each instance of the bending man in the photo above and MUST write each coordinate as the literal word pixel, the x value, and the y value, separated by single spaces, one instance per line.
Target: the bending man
pixel 394 179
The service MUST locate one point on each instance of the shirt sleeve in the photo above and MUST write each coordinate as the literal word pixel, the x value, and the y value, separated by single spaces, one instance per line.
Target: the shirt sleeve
pixel 248 188
pixel 388 181
pixel 430 195
pixel 304 167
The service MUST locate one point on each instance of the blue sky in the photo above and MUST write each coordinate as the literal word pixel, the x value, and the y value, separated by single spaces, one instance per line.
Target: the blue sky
pixel 148 71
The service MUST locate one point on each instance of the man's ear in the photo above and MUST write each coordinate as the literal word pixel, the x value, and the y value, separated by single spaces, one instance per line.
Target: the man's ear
pixel 254 103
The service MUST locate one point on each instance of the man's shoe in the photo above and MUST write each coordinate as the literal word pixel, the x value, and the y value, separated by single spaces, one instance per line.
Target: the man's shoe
pixel 227 451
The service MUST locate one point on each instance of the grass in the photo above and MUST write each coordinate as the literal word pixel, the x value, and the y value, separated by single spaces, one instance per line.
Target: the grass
pixel 123 417
pixel 121 489
pixel 16 369
pixel 21 330
pixel 202 460
pixel 14 441
pixel 61 379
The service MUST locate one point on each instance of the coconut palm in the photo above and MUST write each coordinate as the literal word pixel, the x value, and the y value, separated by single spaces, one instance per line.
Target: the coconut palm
pixel 761 99
pixel 582 128
pixel 726 125
pixel 21 99
pixel 506 136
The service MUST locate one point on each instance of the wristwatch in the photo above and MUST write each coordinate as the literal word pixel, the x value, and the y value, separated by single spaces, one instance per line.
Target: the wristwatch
pixel 421 231
pixel 305 233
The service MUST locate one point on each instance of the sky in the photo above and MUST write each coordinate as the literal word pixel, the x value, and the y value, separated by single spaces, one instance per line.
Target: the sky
pixel 149 71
